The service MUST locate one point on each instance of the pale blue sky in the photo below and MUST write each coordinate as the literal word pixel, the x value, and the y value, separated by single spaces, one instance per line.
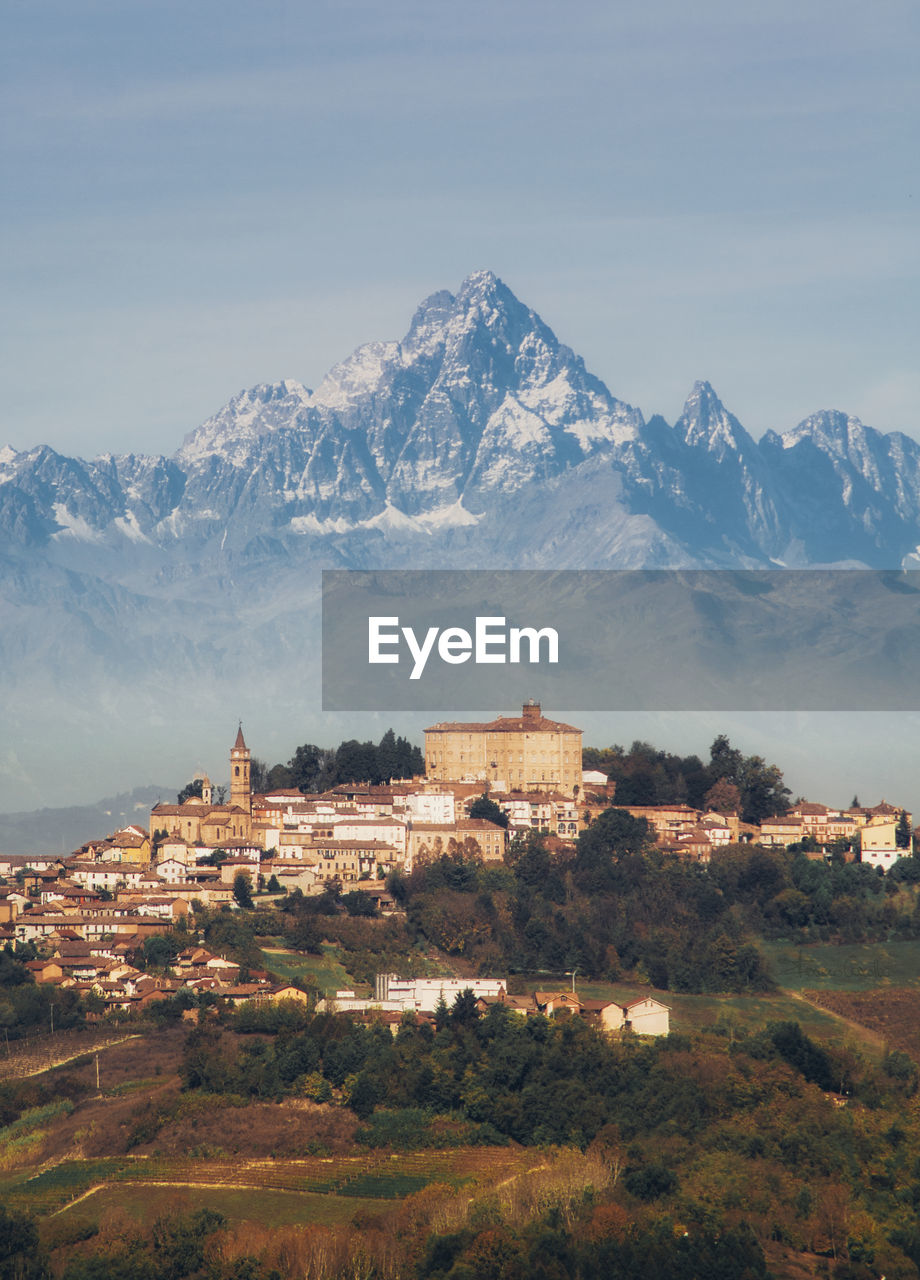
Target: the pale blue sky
pixel 198 197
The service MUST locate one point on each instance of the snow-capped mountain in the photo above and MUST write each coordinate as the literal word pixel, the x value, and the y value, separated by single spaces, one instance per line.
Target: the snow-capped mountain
pixel 478 402
pixel 478 408
pixel 478 440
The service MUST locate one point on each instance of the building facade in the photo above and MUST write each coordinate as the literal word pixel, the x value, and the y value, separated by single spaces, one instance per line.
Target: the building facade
pixel 512 753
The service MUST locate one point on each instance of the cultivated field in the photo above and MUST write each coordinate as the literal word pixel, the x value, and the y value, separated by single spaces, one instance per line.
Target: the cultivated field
pixel 891 1014
pixel 866 967
pixel 325 972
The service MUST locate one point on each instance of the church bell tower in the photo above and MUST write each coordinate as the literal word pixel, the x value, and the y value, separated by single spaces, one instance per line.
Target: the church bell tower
pixel 240 761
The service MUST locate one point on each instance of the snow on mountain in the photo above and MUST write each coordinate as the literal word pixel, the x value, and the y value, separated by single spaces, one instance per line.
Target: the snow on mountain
pixel 478 400
pixel 235 429
pixel 706 423
pixel 477 439
pixel 476 408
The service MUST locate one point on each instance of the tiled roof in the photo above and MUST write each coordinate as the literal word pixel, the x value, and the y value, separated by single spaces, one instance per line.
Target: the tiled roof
pixel 504 724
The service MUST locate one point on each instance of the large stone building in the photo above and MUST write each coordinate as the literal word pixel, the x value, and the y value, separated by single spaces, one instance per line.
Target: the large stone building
pixel 519 753
pixel 201 822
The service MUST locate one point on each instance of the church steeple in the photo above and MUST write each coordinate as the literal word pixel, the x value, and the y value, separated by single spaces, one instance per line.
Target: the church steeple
pixel 240 763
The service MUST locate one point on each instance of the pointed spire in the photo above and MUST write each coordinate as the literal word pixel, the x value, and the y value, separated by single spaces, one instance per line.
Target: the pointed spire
pixel 240 744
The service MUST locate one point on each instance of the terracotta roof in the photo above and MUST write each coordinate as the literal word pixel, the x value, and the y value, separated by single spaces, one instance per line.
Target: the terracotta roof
pixel 240 744
pixel 197 810
pixel 504 724
pixel 375 846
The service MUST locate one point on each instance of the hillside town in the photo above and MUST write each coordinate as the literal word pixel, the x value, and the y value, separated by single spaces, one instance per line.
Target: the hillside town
pixel 89 913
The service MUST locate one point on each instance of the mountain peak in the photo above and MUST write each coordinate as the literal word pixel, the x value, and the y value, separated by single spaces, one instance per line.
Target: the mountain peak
pixel 484 296
pixel 829 426
pixel 706 423
pixel 703 393
pixel 481 282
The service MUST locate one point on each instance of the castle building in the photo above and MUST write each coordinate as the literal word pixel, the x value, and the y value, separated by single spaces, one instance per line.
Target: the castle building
pixel 512 753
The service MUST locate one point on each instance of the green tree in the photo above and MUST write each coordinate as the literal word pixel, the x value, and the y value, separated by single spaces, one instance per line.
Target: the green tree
pixel 902 832
pixel 279 778
pixel 307 768
pixel 615 834
pixel 20 1255
pixel 441 1013
pixel 258 775
pixel 388 761
pixel 464 1011
pixel 356 762
pixel 763 792
pixel 725 761
pixel 242 890
pixel 487 809
pixel 359 903
pixel 160 950
pixel 190 790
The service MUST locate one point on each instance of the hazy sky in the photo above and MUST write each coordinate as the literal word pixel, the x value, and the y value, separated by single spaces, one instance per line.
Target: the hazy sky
pixel 201 196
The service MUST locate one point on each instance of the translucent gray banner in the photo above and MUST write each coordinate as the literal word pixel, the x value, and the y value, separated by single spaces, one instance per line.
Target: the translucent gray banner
pixel 597 640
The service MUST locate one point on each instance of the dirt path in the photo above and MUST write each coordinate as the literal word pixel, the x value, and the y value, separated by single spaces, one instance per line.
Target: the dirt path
pixel 85 1196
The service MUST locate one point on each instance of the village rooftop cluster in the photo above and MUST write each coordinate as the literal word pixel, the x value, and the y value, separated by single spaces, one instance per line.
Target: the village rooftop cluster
pixel 89 912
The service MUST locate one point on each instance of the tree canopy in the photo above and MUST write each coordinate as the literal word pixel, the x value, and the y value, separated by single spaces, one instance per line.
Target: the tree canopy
pixel 313 768
pixel 646 776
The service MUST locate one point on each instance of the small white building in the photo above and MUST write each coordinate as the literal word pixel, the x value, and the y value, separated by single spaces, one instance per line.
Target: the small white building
pixel 431 806
pixel 424 994
pixel 879 843
pixel 647 1017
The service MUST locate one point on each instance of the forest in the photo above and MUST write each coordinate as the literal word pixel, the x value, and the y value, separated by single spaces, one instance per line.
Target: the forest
pixel 721 1153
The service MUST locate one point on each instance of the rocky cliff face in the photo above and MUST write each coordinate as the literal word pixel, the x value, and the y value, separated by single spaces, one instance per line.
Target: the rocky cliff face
pixel 479 440
pixel 477 409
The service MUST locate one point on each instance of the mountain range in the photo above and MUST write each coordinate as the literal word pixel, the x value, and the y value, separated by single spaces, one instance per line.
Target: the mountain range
pixel 138 590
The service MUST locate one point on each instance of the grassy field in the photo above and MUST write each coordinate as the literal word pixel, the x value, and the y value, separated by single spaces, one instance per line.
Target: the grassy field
pixel 821 966
pixel 145 1204
pixel 326 971
pixel 736 1014
pixel 377 1175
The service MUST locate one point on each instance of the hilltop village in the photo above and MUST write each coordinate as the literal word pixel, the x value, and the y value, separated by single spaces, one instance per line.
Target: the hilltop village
pixel 89 913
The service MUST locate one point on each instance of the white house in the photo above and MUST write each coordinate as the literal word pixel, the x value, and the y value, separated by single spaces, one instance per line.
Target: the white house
pixel 647 1017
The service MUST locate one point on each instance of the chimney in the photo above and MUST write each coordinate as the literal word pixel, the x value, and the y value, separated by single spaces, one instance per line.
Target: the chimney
pixel 531 712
